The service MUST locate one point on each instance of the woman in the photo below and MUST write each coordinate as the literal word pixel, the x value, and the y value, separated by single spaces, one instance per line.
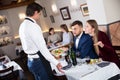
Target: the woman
pixel 67 36
pixel 53 37
pixel 102 44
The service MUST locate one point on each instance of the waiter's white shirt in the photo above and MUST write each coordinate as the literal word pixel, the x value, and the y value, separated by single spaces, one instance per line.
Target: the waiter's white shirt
pixel 32 40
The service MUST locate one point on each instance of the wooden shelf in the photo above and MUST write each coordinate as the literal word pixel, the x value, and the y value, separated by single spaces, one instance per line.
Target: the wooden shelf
pixel 15 4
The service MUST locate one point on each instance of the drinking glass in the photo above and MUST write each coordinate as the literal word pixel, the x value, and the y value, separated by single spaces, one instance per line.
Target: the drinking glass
pixel 87 59
pixel 78 54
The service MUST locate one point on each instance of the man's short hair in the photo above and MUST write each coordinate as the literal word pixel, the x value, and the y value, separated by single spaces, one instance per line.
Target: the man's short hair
pixel 77 22
pixel 31 8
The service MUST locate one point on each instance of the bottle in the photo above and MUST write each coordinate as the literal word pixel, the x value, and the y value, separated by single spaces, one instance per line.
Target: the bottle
pixel 67 57
pixel 73 57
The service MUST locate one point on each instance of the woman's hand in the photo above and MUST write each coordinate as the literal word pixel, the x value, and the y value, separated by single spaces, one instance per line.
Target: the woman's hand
pixel 49 44
pixel 99 43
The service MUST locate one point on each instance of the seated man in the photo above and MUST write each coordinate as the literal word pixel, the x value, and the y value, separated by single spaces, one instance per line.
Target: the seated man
pixel 83 43
pixel 53 37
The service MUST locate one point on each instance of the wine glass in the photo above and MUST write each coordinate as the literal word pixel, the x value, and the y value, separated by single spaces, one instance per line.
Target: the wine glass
pixel 87 59
pixel 77 54
pixel 79 60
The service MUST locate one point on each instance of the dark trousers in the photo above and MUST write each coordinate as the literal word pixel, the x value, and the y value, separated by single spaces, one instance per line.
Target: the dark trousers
pixel 38 70
pixel 46 65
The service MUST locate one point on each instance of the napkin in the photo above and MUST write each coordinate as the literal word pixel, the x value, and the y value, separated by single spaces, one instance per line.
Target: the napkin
pixel 103 64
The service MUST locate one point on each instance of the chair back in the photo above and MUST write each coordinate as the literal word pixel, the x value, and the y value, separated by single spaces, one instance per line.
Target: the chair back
pixel 8 74
pixel 2 59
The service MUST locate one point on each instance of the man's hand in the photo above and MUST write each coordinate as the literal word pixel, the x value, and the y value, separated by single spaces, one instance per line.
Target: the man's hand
pixel 59 66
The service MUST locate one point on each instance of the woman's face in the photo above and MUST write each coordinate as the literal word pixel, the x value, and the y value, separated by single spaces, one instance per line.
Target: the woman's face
pixel 88 29
pixel 63 30
pixel 52 32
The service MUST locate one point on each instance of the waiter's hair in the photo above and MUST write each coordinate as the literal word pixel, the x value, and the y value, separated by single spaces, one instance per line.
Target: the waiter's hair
pixel 77 22
pixel 31 8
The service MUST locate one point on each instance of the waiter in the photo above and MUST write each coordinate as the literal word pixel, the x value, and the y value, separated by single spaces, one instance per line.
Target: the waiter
pixel 34 45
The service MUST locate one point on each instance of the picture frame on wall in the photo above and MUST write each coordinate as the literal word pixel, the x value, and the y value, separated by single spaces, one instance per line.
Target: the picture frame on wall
pixel 52 19
pixel 44 12
pixel 84 9
pixel 65 13
pixel 3 19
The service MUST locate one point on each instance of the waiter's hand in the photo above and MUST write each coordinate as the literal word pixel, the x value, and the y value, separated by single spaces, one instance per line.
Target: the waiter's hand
pixel 59 67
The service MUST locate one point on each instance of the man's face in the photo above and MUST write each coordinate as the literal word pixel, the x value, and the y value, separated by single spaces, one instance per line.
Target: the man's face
pixel 76 29
pixel 37 15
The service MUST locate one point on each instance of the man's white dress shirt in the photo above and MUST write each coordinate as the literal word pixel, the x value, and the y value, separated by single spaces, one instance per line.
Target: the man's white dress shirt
pixel 32 40
pixel 77 40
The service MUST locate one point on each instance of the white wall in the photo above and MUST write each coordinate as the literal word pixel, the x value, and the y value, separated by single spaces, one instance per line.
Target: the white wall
pixel 112 10
pixel 96 11
pixel 10 48
pixel 104 11
pixel 74 12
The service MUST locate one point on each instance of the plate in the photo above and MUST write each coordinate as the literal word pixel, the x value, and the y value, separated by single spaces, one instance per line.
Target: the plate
pixel 57 52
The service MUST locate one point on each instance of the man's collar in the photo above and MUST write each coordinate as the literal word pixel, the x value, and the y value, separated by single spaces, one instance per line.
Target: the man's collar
pixel 78 37
pixel 31 19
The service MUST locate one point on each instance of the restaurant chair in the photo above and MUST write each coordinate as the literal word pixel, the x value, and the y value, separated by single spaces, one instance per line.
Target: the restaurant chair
pixel 58 77
pixel 117 49
pixel 1 54
pixel 116 77
pixel 2 59
pixel 8 74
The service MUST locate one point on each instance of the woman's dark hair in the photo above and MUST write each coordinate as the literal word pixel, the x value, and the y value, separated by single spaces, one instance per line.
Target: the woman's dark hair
pixel 50 30
pixel 77 23
pixel 31 8
pixel 64 26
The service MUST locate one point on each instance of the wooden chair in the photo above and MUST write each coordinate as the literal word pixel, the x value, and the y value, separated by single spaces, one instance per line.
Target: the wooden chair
pixel 8 74
pixel 117 49
pixel 58 77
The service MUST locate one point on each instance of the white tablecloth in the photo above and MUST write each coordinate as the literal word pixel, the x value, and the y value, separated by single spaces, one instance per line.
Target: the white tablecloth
pixel 9 64
pixel 90 72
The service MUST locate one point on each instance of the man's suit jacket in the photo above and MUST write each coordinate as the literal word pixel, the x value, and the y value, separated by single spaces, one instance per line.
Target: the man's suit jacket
pixel 85 46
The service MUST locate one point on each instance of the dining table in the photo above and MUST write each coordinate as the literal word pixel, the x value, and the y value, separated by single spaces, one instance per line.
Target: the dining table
pixel 102 70
pixel 16 69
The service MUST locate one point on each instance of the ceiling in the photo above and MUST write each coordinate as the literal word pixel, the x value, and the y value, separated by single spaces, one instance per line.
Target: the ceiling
pixel 6 4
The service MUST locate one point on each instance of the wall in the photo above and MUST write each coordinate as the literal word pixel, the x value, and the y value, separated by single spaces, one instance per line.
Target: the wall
pixel 104 11
pixel 74 12
pixel 10 48
pixel 96 11
pixel 112 10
